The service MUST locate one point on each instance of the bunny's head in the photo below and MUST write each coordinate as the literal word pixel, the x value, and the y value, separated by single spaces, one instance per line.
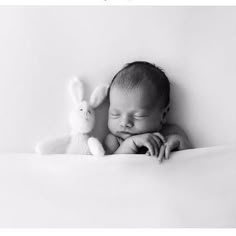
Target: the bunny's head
pixel 82 118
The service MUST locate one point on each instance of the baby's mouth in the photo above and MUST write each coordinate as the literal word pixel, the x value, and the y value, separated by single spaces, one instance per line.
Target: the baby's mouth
pixel 124 134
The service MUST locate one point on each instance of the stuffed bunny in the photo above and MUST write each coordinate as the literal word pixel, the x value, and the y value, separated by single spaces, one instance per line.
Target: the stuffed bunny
pixel 82 121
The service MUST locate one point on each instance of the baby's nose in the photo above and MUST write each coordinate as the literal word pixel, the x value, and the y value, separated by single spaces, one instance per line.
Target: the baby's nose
pixel 126 122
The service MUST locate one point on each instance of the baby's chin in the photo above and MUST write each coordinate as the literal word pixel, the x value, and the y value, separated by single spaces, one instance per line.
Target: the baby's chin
pixel 123 135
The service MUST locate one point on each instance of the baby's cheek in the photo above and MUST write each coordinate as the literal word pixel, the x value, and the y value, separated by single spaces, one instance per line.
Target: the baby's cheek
pixel 142 126
pixel 148 126
pixel 111 125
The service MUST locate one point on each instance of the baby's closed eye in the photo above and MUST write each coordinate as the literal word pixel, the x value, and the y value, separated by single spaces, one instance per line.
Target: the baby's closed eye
pixel 114 115
pixel 140 116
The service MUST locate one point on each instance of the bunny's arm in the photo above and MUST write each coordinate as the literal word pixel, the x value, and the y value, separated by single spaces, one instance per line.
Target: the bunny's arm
pixel 95 147
pixel 53 145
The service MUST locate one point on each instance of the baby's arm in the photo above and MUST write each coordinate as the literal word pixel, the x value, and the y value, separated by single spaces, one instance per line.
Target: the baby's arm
pixel 112 146
pixel 132 144
pixel 173 132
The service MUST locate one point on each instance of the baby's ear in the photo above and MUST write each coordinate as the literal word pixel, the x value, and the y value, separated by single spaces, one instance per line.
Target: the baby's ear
pixel 98 96
pixel 164 114
pixel 76 90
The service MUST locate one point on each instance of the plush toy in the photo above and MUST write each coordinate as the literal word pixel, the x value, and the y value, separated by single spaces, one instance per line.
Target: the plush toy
pixel 82 121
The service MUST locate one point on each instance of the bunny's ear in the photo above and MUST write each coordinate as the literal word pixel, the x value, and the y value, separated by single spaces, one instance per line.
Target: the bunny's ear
pixel 76 90
pixel 98 96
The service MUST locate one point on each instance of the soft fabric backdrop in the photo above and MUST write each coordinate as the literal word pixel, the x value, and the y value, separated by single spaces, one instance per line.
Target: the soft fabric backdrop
pixel 41 47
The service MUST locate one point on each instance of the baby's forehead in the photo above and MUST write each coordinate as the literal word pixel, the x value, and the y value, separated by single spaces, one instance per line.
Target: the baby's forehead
pixel 141 96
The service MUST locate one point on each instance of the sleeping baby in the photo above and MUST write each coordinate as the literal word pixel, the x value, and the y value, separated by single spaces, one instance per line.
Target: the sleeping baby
pixel 139 98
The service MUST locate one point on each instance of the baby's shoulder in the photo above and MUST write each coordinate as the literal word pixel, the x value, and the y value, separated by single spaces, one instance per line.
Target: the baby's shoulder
pixel 170 127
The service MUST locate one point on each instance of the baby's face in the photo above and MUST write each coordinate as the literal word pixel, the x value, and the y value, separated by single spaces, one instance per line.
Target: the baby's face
pixel 133 111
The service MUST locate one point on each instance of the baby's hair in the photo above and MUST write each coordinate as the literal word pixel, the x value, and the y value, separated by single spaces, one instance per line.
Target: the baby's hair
pixel 137 72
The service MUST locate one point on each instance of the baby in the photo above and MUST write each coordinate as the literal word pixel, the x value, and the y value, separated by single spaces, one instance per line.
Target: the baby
pixel 139 103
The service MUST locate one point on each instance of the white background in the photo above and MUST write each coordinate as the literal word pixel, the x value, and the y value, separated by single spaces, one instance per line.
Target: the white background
pixel 41 47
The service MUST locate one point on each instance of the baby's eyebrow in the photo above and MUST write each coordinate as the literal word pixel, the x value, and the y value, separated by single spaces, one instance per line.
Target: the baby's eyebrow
pixel 141 113
pixel 144 108
pixel 141 110
pixel 114 109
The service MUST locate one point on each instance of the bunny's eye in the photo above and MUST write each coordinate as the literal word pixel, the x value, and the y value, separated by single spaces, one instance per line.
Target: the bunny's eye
pixel 81 109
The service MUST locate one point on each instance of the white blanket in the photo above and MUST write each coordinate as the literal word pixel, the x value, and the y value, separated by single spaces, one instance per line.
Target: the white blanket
pixel 195 188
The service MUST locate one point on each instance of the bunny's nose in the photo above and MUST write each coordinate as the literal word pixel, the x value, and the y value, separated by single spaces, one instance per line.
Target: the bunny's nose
pixel 85 105
pixel 87 115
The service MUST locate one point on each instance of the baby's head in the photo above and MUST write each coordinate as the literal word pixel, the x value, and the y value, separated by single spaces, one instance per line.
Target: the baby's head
pixel 139 100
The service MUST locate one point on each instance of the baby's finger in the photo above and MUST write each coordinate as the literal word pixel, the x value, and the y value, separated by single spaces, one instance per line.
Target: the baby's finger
pixel 161 153
pixel 160 136
pixel 157 141
pixel 167 151
pixel 147 153
pixel 150 148
pixel 157 144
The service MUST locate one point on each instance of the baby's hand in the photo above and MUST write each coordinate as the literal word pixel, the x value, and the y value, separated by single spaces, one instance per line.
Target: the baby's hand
pixel 152 141
pixel 172 143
